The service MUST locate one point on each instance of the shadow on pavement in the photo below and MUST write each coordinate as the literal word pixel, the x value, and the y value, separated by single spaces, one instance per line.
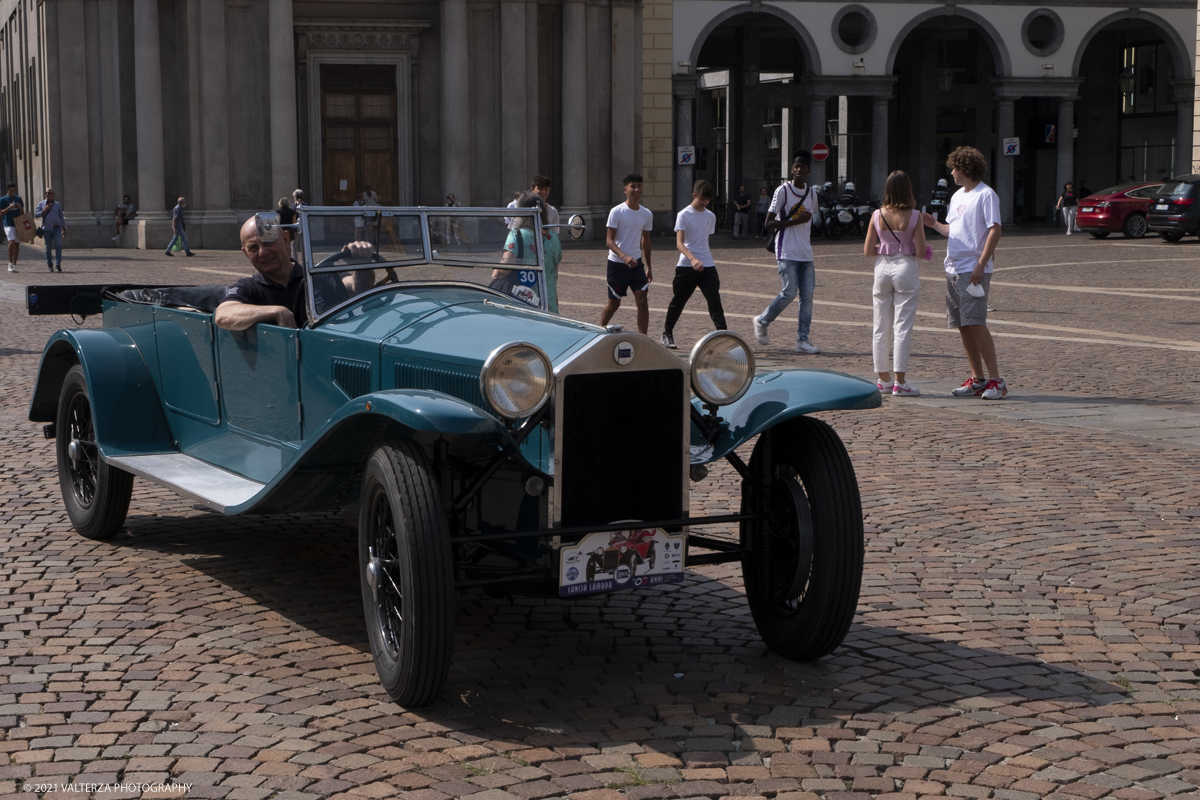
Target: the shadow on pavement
pixel 536 661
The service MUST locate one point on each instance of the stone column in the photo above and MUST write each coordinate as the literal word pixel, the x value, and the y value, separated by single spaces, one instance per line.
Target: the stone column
pixel 879 146
pixel 214 99
pixel 285 155
pixel 816 133
pixel 1183 91
pixel 456 96
pixel 533 153
pixel 1066 143
pixel 683 90
pixel 574 108
pixel 148 95
pixel 1004 164
pixel 624 54
pixel 513 110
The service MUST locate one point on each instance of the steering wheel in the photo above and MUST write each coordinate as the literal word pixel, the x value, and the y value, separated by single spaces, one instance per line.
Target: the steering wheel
pixel 343 254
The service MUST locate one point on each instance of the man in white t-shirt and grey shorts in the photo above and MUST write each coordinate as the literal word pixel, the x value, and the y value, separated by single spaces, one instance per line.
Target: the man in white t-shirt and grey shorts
pixel 629 226
pixel 972 231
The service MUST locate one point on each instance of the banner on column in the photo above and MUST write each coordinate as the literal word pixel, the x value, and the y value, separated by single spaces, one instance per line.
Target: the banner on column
pixel 1050 133
pixel 1012 147
pixel 685 155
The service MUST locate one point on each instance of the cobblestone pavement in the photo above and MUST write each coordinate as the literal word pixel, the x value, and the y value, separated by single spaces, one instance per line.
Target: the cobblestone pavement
pixel 1027 626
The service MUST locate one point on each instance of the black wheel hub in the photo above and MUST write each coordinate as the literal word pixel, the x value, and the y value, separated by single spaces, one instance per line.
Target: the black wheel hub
pixel 789 533
pixel 83 457
pixel 383 573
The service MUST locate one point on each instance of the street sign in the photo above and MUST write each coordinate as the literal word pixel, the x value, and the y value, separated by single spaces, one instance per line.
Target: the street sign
pixel 1050 133
pixel 685 155
pixel 820 151
pixel 1012 147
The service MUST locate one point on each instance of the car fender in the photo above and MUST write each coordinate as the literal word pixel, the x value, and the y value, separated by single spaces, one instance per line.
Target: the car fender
pixel 324 473
pixel 126 409
pixel 775 397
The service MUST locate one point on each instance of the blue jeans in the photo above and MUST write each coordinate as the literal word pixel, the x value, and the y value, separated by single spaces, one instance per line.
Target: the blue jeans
pixel 53 240
pixel 797 277
pixel 181 237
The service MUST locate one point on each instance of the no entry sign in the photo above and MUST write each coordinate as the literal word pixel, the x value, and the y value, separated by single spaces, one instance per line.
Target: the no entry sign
pixel 820 151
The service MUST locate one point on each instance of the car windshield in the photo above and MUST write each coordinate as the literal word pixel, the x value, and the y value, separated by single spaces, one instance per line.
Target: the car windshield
pixel 1176 188
pixel 501 249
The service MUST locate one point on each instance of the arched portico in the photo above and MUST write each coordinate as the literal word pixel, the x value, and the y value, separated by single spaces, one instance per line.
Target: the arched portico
pixel 995 41
pixel 812 59
pixel 1179 50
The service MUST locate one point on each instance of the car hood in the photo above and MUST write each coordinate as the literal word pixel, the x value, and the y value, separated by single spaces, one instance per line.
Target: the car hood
pixel 455 323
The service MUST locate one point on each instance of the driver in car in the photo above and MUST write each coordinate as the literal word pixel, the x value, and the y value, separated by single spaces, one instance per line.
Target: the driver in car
pixel 270 294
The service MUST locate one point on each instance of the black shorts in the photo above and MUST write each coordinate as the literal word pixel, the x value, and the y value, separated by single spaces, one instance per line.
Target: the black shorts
pixel 622 278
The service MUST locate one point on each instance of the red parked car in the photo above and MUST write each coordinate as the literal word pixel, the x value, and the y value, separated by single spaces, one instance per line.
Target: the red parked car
pixel 1118 208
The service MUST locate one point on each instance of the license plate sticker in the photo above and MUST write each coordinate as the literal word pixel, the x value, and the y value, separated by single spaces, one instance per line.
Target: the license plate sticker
pixel 1088 209
pixel 1161 207
pixel 611 562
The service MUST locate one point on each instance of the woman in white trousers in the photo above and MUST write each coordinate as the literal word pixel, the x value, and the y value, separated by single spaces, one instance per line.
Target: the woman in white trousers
pixel 895 237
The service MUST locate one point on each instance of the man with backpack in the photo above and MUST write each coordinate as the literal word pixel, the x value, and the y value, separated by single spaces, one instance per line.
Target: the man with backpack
pixel 790 220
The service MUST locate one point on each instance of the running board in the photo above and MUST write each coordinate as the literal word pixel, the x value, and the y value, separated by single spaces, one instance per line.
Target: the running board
pixel 191 477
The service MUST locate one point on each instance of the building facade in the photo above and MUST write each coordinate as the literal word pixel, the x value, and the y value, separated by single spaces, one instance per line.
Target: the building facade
pixel 233 104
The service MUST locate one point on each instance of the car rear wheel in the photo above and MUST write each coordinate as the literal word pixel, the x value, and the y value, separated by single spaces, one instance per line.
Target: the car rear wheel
pixel 96 494
pixel 803 567
pixel 1135 227
pixel 1099 234
pixel 1170 236
pixel 407 580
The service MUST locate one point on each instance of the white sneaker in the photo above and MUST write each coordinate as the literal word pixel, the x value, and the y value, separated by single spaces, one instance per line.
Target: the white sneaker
pixel 760 331
pixel 805 346
pixel 12 267
pixel 904 390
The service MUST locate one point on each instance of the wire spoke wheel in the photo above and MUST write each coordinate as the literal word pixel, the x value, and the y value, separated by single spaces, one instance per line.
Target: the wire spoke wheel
pixel 95 494
pixel 406 574
pixel 803 564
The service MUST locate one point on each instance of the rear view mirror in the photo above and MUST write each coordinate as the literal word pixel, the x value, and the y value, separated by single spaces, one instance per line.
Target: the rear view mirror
pixel 576 225
pixel 267 225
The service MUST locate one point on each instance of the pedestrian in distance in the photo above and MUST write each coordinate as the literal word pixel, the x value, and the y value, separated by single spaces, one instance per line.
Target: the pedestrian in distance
pixel 895 237
pixel 298 201
pixel 177 228
pixel 764 203
pixel 286 215
pixel 741 214
pixel 695 268
pixel 122 214
pixel 1068 202
pixel 359 202
pixel 11 207
pixel 54 226
pixel 972 229
pixel 790 219
pixel 629 226
pixel 540 185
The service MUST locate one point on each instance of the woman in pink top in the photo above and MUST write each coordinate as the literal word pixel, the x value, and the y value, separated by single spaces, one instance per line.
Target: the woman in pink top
pixel 896 236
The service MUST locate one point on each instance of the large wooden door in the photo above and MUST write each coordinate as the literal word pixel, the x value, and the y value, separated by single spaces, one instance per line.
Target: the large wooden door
pixel 358 132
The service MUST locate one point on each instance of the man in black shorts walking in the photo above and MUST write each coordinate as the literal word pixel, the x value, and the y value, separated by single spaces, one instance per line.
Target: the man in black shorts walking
pixel 629 226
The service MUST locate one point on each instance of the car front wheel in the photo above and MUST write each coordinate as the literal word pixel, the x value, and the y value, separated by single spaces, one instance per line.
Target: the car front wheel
pixel 1135 227
pixel 1170 236
pixel 407 580
pixel 96 494
pixel 803 567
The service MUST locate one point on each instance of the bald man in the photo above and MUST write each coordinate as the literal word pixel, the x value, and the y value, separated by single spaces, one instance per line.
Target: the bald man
pixel 269 295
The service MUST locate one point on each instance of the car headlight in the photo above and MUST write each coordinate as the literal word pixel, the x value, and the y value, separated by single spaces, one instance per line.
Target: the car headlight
pixel 722 368
pixel 516 379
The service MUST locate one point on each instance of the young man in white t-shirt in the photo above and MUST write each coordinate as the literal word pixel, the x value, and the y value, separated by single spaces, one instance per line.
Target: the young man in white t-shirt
pixel 696 268
pixel 972 229
pixel 629 226
pixel 790 218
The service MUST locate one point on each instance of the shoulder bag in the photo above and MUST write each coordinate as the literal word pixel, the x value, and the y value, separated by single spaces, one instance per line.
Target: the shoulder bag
pixel 770 248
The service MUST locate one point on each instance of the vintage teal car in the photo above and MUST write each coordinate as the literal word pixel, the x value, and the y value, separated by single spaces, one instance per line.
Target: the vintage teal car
pixel 471 436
